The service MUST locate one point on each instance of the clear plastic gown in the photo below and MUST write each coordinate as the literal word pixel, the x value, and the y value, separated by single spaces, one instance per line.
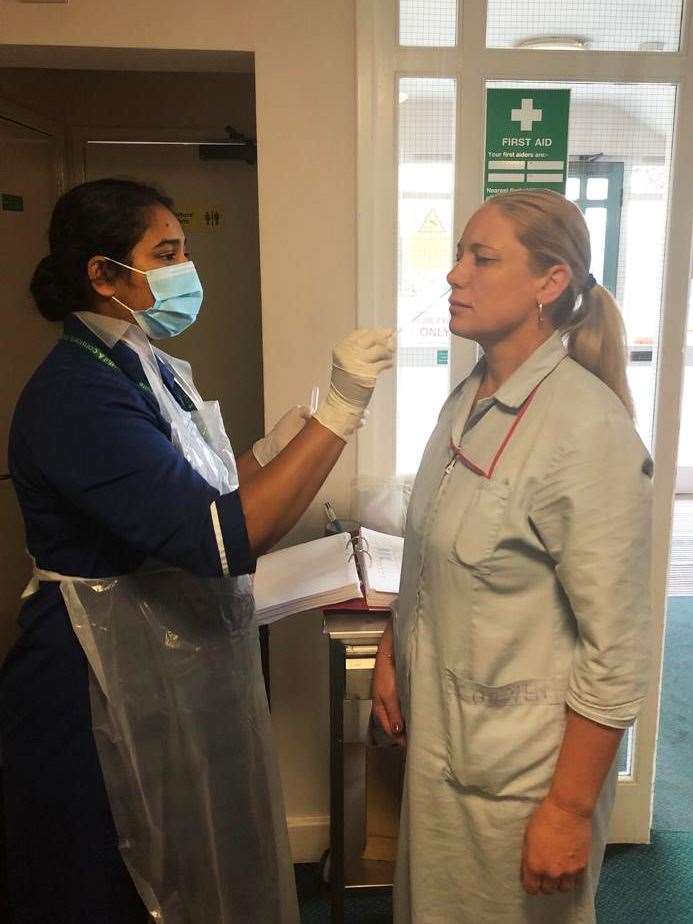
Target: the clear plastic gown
pixel 181 721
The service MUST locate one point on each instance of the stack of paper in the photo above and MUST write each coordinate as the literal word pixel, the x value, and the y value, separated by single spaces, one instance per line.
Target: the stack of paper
pixel 304 577
pixel 380 560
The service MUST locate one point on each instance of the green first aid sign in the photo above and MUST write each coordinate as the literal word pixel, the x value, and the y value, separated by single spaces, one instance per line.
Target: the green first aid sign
pixel 526 140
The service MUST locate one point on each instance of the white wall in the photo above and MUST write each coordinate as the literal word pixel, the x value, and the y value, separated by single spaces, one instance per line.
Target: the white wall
pixel 306 121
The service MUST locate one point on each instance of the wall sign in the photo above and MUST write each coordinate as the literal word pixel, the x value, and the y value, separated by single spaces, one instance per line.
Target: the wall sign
pixel 10 203
pixel 201 218
pixel 526 140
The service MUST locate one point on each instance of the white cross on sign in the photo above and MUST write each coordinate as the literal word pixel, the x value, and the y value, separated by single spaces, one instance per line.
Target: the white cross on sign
pixel 527 115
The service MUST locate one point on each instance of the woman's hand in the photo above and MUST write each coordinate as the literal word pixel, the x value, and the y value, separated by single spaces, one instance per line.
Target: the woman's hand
pixel 384 690
pixel 556 849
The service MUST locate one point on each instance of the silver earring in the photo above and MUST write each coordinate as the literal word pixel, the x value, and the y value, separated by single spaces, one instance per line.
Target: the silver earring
pixel 540 319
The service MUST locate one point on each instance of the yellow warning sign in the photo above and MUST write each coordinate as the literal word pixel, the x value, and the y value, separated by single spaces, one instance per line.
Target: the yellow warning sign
pixel 429 247
pixel 207 218
pixel 432 224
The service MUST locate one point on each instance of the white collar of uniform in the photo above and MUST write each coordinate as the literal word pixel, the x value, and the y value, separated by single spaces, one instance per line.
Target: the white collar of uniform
pixel 113 330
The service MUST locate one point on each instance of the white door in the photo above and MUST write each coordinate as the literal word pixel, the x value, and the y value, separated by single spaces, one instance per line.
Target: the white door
pixel 423 70
pixel 30 170
pixel 218 204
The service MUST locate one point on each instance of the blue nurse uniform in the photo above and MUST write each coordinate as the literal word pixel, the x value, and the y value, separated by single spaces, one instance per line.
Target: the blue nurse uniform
pixel 101 488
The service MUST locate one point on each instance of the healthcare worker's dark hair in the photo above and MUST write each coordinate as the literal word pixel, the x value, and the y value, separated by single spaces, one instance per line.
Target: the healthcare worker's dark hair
pixel 105 217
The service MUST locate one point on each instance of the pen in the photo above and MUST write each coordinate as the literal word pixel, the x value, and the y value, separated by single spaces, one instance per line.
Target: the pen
pixel 332 517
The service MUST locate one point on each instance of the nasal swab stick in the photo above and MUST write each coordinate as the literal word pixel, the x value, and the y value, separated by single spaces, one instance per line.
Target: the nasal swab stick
pixel 423 312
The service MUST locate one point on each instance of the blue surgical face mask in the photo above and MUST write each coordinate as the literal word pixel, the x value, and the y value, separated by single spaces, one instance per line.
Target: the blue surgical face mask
pixel 177 292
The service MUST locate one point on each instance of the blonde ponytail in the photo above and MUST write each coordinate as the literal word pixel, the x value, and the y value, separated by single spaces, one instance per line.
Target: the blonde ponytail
pixel 597 340
pixel 554 231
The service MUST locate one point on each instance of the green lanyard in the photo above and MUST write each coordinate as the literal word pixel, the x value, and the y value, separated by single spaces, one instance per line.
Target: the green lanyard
pixel 106 360
pixel 184 400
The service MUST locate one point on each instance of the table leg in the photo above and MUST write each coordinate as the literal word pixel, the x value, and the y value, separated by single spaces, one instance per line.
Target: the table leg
pixel 337 687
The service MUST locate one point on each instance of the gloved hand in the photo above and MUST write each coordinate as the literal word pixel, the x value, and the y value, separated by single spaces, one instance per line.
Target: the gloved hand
pixel 356 363
pixel 281 434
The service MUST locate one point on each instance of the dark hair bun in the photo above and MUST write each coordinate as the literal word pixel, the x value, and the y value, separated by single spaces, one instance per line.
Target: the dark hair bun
pixel 48 294
pixel 100 218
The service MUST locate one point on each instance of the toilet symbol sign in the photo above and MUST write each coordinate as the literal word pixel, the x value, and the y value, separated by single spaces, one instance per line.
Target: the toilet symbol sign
pixel 201 218
pixel 526 140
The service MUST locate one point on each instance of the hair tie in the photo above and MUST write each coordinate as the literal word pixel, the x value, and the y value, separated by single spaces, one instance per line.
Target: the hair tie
pixel 590 283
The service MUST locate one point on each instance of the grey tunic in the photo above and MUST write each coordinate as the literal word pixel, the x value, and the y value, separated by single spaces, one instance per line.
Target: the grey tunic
pixel 525 587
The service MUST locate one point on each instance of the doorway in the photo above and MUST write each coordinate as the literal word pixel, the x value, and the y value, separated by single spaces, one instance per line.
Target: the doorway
pixel 30 179
pixel 169 115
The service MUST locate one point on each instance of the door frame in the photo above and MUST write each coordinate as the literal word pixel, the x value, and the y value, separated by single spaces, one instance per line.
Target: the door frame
pixel 79 136
pixel 14 562
pixel 36 121
pixel 11 111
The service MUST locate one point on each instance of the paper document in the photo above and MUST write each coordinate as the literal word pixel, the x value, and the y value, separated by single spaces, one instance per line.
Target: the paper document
pixel 380 560
pixel 304 577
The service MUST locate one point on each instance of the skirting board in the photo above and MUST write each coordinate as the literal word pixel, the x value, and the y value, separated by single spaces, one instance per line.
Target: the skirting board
pixel 309 837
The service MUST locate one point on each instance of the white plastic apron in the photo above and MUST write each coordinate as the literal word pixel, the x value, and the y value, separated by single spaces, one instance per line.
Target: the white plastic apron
pixel 180 717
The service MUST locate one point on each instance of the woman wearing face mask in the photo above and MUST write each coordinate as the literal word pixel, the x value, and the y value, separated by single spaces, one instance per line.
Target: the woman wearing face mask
pixel 520 645
pixel 140 780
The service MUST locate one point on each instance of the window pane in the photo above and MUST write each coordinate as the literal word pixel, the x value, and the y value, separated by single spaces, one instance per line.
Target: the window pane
pixel 648 180
pixel 685 456
pixel 431 23
pixel 426 183
pixel 572 188
pixel 597 187
pixel 620 25
pixel 596 222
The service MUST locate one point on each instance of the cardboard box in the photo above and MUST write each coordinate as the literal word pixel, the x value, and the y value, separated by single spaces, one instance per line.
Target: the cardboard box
pixel 384 779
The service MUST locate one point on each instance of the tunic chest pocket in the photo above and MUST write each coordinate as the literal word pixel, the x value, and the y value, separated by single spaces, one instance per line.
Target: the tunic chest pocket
pixel 478 532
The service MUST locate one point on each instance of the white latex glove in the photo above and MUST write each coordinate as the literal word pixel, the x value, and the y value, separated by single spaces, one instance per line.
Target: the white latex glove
pixel 281 434
pixel 356 363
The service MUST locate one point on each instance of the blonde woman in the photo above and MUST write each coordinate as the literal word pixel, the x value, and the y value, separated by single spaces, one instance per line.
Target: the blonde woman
pixel 519 650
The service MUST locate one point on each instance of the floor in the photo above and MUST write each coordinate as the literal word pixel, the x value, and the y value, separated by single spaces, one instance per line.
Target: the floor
pixel 639 885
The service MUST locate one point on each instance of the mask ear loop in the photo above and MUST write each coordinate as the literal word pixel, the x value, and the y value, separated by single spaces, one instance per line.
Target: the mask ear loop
pixel 126 266
pixel 135 270
pixel 127 307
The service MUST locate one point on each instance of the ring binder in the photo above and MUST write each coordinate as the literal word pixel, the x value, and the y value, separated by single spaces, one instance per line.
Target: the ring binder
pixel 358 545
pixel 379 562
pixel 319 573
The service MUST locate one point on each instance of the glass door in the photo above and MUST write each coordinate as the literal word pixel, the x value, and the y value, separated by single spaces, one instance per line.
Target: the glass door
pixel 424 66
